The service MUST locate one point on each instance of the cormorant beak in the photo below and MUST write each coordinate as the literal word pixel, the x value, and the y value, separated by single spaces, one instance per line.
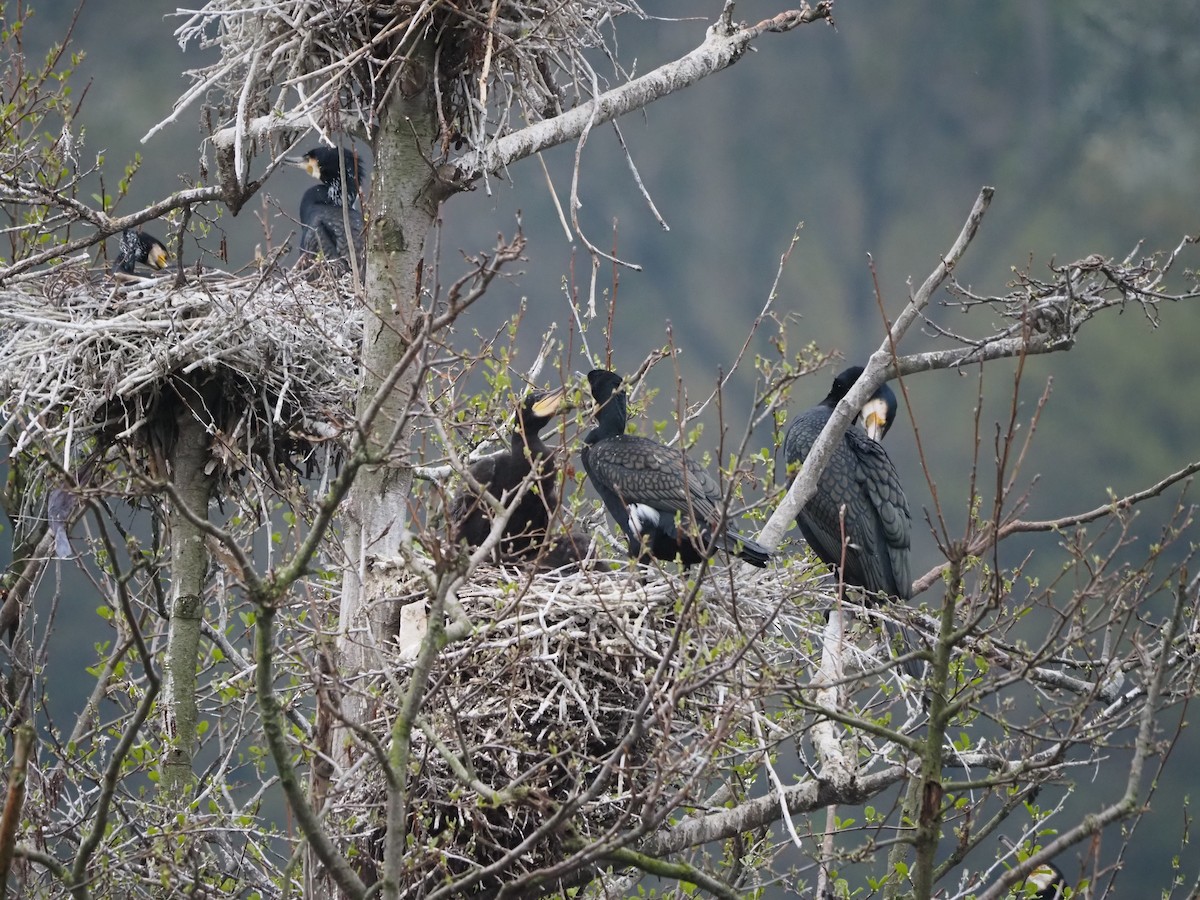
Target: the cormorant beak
pixel 307 163
pixel 552 403
pixel 157 257
pixel 875 418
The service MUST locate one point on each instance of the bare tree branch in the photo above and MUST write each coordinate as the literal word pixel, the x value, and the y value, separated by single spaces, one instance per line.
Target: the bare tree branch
pixel 873 375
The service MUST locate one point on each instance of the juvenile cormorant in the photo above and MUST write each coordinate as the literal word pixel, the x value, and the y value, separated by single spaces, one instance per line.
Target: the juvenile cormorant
pixel 664 501
pixel 501 474
pixel 139 247
pixel 861 479
pixel 322 221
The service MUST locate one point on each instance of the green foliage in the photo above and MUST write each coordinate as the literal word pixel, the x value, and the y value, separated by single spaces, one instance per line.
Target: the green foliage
pixel 37 140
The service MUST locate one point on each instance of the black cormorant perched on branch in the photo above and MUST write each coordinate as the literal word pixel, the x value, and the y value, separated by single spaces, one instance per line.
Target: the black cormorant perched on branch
pixel 322 217
pixel 139 247
pixel 664 501
pixel 872 551
pixel 502 474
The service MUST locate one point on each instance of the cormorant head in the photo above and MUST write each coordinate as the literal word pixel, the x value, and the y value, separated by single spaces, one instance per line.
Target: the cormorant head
pixel 1047 881
pixel 841 385
pixel 139 247
pixel 540 407
pixel 155 252
pixel 878 412
pixel 611 410
pixel 605 385
pixel 323 163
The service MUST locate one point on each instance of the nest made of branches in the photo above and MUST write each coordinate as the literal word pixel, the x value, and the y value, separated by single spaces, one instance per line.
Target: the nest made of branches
pixel 609 694
pixel 267 363
pixel 497 64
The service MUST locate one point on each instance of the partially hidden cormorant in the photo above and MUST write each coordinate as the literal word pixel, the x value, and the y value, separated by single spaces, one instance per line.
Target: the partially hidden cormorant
pixel 664 501
pixel 872 552
pixel 1047 879
pixel 322 217
pixel 139 247
pixel 572 548
pixel 502 474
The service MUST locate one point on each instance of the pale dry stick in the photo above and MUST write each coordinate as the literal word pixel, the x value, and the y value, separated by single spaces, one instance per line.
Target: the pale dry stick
pixel 562 217
pixel 846 412
pixel 717 52
pixel 489 46
pixel 835 766
pixel 576 204
pixel 637 179
pixel 777 783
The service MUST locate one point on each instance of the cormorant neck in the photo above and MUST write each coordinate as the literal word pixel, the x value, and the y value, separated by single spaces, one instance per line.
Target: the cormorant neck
pixel 527 436
pixel 334 192
pixel 610 419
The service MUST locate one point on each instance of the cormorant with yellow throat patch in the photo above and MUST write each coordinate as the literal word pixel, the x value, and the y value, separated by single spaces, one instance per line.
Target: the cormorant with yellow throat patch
pixel 322 216
pixel 857 521
pixel 503 474
pixel 139 247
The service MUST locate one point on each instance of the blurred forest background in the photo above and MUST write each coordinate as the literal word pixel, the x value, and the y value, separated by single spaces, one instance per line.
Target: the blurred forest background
pixel 877 136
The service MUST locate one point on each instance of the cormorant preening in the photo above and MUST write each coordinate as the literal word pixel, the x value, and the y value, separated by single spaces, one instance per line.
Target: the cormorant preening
pixel 879 411
pixel 502 474
pixel 860 479
pixel 322 218
pixel 139 247
pixel 664 501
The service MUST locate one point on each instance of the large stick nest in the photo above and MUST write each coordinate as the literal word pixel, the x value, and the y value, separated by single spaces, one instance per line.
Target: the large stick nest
pixel 497 64
pixel 611 696
pixel 267 364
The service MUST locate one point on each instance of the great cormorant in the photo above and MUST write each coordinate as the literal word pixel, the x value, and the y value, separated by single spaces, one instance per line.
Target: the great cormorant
pixel 872 552
pixel 879 412
pixel 1048 879
pixel 1048 883
pixel 139 247
pixel 664 501
pixel 322 218
pixel 501 474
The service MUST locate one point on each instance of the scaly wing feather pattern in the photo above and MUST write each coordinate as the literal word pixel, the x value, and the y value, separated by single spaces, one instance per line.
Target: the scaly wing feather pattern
pixel 880 485
pixel 861 479
pixel 640 470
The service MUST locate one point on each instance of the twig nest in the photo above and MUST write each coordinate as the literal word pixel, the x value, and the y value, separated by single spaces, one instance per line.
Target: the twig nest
pixel 606 697
pixel 267 363
pixel 497 66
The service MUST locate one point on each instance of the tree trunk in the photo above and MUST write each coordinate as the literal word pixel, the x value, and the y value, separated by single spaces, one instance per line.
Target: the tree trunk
pixel 189 562
pixel 404 207
pixel 403 200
